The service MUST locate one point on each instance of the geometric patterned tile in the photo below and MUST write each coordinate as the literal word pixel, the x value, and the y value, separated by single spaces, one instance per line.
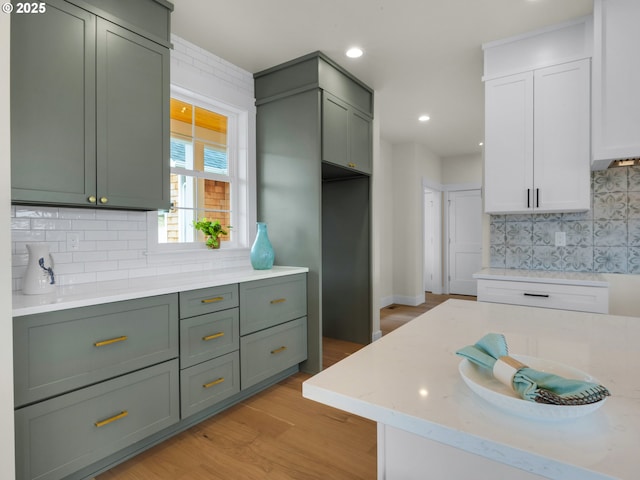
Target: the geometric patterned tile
pixel 544 233
pixel 498 233
pixel 634 260
pixel 546 258
pixel 519 233
pixel 578 232
pixel 610 206
pixel 519 257
pixel 497 256
pixel 610 233
pixel 610 259
pixel 577 259
pixel 634 179
pixel 633 206
pixel 610 180
pixel 634 232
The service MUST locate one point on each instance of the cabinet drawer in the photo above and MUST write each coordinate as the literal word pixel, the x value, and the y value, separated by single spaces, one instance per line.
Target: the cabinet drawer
pixel 60 436
pixel 61 351
pixel 270 351
pixel 265 303
pixel 208 383
pixel 208 336
pixel 563 297
pixel 208 300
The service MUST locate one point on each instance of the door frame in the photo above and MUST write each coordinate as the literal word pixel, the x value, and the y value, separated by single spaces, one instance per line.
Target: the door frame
pixel 437 236
pixel 454 187
pixel 436 190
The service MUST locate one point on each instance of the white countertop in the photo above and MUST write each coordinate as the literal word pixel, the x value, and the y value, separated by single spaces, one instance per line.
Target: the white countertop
pixel 543 276
pixel 87 294
pixel 409 379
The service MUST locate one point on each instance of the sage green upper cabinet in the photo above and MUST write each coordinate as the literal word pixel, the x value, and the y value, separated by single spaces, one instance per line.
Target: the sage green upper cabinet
pixel 346 135
pixel 616 75
pixel 347 106
pixel 89 108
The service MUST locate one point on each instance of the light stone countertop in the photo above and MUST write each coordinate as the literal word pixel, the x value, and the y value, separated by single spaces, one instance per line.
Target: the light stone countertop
pixel 543 276
pixel 409 379
pixel 86 294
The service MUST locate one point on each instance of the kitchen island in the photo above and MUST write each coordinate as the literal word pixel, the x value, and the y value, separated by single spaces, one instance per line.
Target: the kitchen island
pixel 431 425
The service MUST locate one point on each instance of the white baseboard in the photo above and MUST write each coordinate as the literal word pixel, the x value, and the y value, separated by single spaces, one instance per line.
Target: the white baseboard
pixel 411 301
pixel 386 301
pixel 376 335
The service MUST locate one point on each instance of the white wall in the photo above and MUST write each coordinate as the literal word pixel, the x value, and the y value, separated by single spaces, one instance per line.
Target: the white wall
pixel 383 188
pixel 7 461
pixel 410 165
pixel 462 169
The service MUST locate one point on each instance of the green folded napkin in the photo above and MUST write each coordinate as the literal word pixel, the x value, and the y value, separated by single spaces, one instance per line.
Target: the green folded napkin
pixel 530 384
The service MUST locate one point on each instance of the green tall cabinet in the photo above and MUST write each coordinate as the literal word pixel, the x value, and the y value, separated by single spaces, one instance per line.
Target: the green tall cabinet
pixel 90 104
pixel 314 159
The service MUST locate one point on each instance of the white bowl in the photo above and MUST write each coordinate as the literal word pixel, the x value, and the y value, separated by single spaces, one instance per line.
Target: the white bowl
pixel 481 381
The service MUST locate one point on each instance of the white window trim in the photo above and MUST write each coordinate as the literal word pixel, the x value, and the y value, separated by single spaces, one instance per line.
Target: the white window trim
pixel 243 190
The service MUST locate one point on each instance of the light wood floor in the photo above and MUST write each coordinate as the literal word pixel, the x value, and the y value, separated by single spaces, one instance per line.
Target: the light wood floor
pixel 276 434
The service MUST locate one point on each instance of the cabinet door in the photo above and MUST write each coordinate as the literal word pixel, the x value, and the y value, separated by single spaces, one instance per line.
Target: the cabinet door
pixel 561 144
pixel 346 135
pixel 616 76
pixel 360 141
pixel 508 167
pixel 132 120
pixel 53 106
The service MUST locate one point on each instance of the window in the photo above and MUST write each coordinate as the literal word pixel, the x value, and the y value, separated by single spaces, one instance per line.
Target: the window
pixel 204 180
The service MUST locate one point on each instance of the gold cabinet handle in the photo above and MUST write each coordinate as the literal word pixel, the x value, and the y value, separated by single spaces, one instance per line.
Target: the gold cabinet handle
pixel 278 350
pixel 107 421
pixel 110 341
pixel 103 200
pixel 215 382
pixel 211 337
pixel 351 165
pixel 212 300
pixel 92 199
pixel 278 300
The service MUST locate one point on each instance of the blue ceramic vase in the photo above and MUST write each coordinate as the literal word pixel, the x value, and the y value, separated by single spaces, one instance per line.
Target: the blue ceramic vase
pixel 262 252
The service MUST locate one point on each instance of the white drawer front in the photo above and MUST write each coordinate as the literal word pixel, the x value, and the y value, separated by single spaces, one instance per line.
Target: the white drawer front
pixel 563 297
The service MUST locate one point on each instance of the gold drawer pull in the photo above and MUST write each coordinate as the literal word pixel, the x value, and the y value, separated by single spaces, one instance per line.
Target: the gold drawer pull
pixel 278 300
pixel 215 382
pixel 110 341
pixel 107 421
pixel 278 350
pixel 351 165
pixel 212 300
pixel 211 337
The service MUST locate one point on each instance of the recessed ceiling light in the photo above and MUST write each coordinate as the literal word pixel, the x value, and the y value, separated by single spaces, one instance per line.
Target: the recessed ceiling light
pixel 424 118
pixel 354 52
pixel 481 144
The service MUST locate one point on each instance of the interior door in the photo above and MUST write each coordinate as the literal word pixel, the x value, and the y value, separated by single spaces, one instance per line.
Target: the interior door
pixel 465 240
pixel 429 242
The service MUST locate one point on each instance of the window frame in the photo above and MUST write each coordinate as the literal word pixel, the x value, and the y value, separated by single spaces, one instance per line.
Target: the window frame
pixel 238 154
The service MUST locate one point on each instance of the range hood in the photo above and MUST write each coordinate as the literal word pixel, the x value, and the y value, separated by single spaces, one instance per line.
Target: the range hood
pixel 626 162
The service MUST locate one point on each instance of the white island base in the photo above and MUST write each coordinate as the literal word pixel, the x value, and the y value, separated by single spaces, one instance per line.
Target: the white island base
pixel 432 426
pixel 407 456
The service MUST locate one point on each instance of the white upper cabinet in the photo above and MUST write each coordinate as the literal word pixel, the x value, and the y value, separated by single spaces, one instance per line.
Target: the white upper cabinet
pixel 616 81
pixel 537 125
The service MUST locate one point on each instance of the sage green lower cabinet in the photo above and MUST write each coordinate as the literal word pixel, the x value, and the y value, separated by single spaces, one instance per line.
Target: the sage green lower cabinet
pixel 265 353
pixel 61 351
pixel 208 336
pixel 208 383
pixel 99 384
pixel 265 303
pixel 57 437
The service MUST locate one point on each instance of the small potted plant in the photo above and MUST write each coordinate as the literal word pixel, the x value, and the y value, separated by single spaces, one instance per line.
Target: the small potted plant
pixel 212 230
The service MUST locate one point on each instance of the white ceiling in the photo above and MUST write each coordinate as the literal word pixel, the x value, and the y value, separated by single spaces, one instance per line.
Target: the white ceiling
pixel 421 56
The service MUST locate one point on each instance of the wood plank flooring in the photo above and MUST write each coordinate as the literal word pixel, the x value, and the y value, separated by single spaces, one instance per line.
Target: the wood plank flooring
pixel 276 434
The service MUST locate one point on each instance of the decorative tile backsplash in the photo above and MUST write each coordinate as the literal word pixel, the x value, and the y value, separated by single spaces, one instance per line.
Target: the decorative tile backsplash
pixel 605 239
